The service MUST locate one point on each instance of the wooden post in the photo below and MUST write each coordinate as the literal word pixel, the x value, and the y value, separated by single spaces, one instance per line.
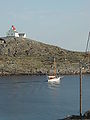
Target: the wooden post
pixel 81 90
pixel 88 61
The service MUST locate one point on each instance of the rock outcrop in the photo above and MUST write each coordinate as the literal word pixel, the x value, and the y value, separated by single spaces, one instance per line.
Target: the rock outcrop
pixel 86 116
pixel 26 56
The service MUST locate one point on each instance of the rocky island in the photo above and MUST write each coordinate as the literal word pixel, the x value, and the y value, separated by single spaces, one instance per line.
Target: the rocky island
pixel 26 56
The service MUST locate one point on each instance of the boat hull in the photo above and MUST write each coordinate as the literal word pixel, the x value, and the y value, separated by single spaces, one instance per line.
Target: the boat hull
pixel 54 79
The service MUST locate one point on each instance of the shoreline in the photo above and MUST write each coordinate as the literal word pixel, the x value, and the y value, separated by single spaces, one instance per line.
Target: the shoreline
pixel 39 74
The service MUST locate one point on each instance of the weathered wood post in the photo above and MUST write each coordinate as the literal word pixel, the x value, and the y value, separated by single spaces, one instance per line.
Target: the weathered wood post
pixel 80 65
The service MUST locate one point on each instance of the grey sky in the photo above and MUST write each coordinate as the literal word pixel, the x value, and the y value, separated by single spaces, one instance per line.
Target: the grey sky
pixel 64 23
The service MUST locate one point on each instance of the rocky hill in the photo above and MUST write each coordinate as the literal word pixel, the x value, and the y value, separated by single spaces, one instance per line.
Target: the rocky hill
pixel 26 56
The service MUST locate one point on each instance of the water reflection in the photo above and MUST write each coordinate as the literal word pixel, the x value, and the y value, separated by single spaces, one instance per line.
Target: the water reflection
pixel 54 84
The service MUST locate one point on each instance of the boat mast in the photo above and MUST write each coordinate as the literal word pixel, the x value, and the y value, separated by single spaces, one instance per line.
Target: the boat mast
pixel 54 67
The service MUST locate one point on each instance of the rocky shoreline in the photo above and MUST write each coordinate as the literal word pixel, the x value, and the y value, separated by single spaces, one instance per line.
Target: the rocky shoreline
pixel 85 116
pixel 39 73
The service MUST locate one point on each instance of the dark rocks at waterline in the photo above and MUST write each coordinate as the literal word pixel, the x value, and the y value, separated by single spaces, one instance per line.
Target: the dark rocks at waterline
pixel 86 116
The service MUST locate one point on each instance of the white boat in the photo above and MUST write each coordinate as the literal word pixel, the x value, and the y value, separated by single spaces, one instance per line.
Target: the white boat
pixel 54 78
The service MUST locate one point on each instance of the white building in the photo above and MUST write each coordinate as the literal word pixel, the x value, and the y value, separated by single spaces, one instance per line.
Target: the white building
pixel 23 35
pixel 13 33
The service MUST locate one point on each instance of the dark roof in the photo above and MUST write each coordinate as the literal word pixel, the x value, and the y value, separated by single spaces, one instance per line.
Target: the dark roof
pixel 2 39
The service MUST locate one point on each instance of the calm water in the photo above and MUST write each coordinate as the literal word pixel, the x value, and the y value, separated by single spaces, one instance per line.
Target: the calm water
pixel 32 98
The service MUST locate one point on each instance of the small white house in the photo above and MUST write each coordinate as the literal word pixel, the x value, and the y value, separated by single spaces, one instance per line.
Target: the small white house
pixel 23 35
pixel 13 33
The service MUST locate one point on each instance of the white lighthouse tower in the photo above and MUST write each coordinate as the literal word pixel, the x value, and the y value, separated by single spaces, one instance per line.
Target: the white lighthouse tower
pixel 12 32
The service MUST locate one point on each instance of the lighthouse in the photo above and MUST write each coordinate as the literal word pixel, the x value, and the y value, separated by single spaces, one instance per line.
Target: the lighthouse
pixel 13 33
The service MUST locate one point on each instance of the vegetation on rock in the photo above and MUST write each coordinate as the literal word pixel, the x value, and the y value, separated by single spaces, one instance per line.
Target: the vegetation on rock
pixel 26 56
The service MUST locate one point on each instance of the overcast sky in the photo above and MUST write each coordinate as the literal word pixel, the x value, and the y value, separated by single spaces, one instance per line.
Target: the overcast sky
pixel 64 23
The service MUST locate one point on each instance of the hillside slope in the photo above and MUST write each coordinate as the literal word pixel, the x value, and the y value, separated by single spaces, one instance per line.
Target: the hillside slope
pixel 26 56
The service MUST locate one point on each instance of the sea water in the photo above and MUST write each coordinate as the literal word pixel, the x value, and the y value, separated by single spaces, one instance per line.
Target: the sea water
pixel 33 98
